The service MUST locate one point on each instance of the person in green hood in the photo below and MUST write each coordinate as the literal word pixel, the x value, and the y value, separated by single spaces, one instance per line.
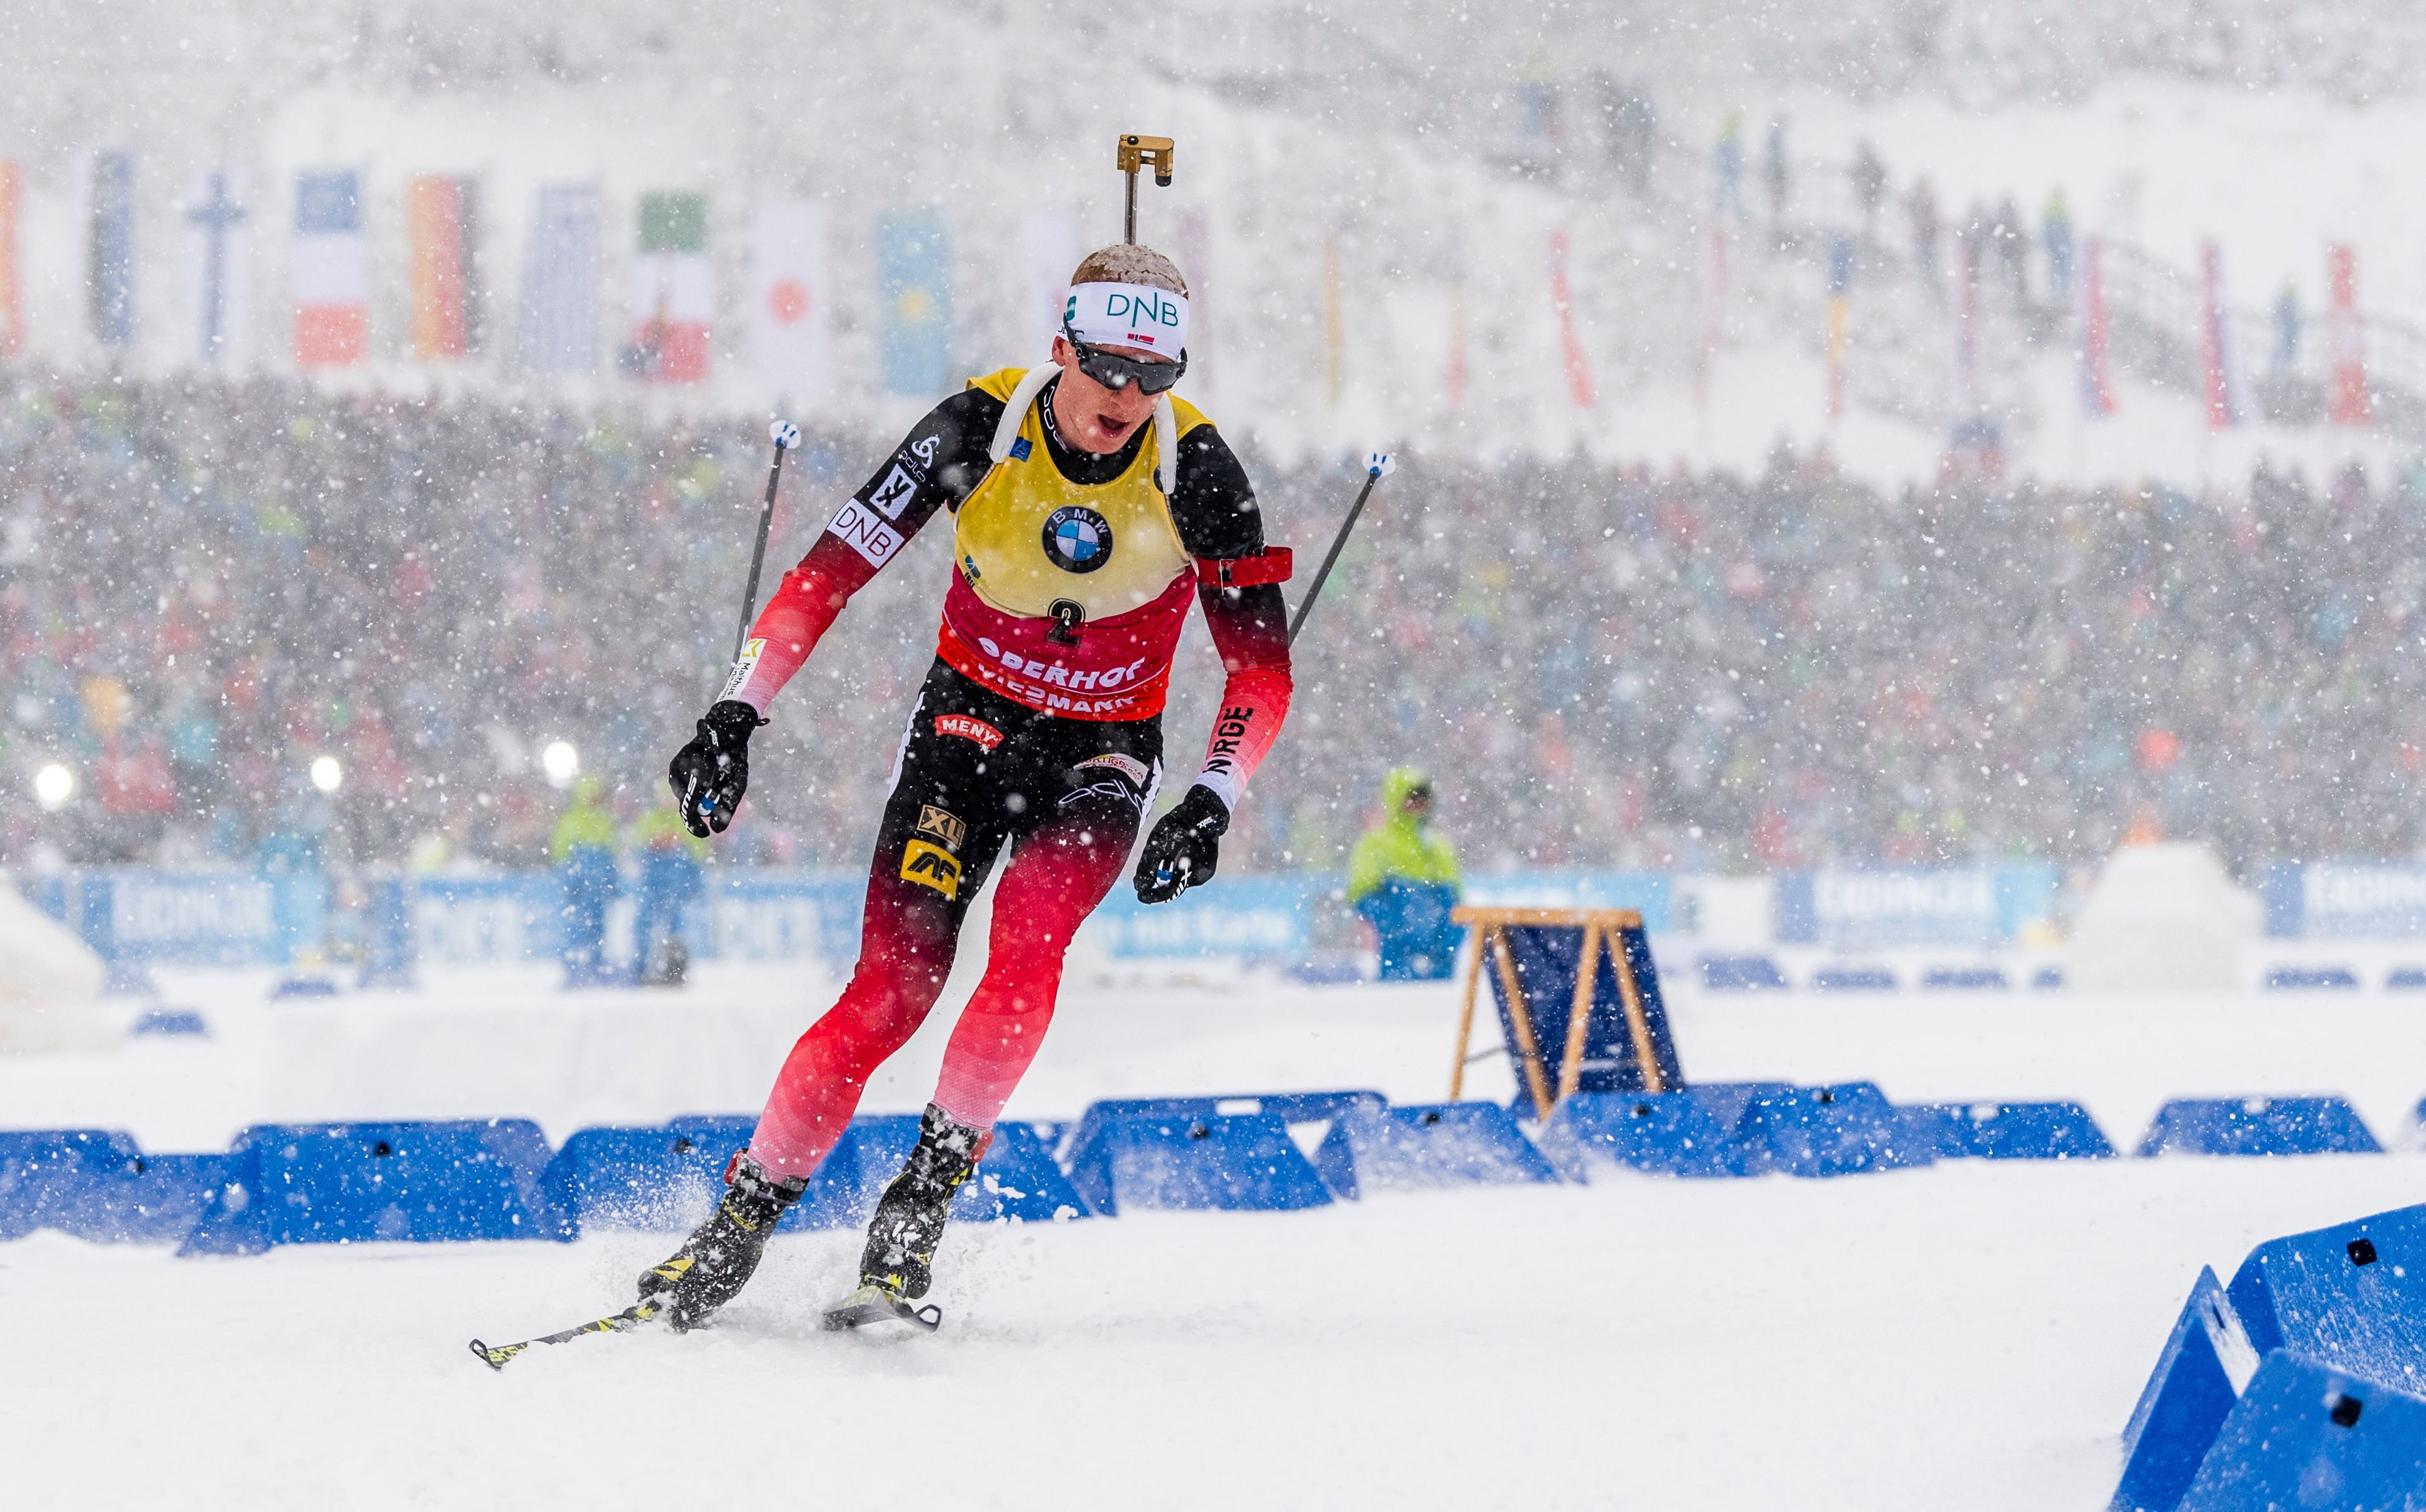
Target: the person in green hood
pixel 1402 879
pixel 583 849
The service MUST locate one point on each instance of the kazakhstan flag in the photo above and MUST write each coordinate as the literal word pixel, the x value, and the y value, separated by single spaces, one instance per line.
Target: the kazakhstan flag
pixel 913 290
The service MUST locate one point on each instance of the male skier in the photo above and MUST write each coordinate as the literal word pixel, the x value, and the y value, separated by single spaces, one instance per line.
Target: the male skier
pixel 1089 507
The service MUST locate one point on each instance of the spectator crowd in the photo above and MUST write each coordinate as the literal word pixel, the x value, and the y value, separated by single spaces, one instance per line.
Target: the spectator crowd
pixel 205 587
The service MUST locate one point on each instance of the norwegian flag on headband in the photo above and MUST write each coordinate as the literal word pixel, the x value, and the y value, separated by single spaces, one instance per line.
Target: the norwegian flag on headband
pixel 1128 315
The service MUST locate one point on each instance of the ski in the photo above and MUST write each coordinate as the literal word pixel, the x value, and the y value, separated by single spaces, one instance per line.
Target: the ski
pixel 496 1356
pixel 871 1303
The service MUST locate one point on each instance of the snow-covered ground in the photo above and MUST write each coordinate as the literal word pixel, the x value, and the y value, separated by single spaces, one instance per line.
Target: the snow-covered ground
pixel 1970 1335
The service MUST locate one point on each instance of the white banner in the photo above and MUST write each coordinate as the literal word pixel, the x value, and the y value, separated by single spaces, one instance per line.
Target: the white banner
pixel 790 293
pixel 1052 241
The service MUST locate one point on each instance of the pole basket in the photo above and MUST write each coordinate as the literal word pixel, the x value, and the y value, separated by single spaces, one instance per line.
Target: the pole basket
pixel 1580 1003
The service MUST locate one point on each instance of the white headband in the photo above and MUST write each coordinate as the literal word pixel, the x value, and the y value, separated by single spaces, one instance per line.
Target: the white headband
pixel 1128 315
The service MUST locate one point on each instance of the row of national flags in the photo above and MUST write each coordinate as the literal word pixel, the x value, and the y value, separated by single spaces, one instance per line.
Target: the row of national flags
pixel 563 320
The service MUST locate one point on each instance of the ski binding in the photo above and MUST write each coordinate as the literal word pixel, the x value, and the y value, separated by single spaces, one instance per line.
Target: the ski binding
pixel 873 1304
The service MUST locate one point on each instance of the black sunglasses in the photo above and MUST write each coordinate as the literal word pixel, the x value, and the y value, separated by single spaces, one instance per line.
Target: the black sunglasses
pixel 1115 371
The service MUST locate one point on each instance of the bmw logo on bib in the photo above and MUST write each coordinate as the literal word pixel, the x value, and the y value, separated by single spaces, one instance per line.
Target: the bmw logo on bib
pixel 1078 540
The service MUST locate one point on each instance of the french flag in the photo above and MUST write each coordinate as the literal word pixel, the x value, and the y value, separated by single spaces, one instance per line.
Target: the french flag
pixel 331 281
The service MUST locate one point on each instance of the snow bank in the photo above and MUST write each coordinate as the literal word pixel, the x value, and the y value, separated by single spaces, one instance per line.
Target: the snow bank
pixel 2164 919
pixel 50 984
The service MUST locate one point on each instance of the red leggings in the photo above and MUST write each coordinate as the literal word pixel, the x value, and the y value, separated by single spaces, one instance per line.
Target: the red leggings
pixel 957 801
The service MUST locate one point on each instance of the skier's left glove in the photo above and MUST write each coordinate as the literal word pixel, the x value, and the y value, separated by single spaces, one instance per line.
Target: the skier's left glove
pixel 710 774
pixel 1183 849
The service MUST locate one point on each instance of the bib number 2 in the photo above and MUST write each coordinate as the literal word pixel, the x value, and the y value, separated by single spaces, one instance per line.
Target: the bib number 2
pixel 1068 614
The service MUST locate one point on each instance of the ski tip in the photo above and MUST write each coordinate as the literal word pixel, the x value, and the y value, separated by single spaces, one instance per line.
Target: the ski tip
pixel 496 1356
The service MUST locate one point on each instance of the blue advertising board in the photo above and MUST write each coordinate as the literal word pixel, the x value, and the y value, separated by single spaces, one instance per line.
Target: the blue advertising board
pixel 2344 899
pixel 1848 909
pixel 1651 893
pixel 750 916
pixel 1229 916
pixel 199 918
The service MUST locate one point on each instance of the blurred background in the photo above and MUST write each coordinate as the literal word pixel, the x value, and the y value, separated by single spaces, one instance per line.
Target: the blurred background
pixel 1918 436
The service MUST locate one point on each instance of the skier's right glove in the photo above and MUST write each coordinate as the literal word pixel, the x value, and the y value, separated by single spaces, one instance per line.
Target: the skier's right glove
pixel 711 773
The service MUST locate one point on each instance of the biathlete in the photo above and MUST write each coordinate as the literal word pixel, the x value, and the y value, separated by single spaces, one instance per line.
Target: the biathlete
pixel 1089 506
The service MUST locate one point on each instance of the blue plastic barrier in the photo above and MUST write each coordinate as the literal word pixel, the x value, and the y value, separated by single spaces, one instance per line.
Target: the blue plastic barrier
pixel 657 1178
pixel 1965 979
pixel 2206 1360
pixel 2311 979
pixel 2305 1434
pixel 2009 1130
pixel 2353 1296
pixel 1446 1145
pixel 1831 1131
pixel 1336 968
pixel 1853 978
pixel 97 1185
pixel 1670 1133
pixel 1289 1107
pixel 663 1178
pixel 2048 978
pixel 2405 979
pixel 1238 1161
pixel 353 1183
pixel 1016 1182
pixel 171 1021
pixel 43 1173
pixel 1741 973
pixel 2257 1126
pixel 147 1200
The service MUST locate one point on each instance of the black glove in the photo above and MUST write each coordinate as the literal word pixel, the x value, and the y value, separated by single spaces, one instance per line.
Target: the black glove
pixel 711 773
pixel 1183 849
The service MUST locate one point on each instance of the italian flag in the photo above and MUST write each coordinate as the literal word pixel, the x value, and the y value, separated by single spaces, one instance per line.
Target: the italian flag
pixel 674 293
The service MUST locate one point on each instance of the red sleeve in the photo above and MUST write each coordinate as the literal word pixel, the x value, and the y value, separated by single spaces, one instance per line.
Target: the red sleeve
pixel 936 466
pixel 803 608
pixel 1250 629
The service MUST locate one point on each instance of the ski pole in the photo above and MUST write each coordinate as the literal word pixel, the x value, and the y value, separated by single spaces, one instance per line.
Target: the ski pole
pixel 786 435
pixel 1378 465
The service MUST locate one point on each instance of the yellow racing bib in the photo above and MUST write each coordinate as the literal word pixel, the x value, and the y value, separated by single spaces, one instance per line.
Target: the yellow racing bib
pixel 1027 538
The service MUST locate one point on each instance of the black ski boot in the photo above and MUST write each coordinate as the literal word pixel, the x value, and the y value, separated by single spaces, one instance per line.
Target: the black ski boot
pixel 898 1265
pixel 721 1254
